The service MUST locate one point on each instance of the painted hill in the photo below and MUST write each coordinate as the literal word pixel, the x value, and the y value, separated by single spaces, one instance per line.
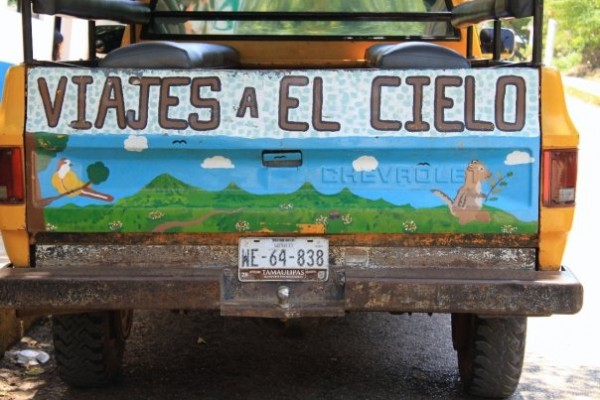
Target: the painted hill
pixel 170 205
pixel 167 191
pixel 162 191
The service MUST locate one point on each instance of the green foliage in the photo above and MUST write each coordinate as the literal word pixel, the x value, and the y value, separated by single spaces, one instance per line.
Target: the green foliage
pixel 497 185
pixel 578 31
pixel 47 146
pixel 97 172
pixel 331 27
pixel 577 40
pixel 567 61
pixel 329 6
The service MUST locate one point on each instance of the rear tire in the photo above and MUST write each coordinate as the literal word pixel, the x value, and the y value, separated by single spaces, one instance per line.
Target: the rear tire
pixel 89 346
pixel 490 353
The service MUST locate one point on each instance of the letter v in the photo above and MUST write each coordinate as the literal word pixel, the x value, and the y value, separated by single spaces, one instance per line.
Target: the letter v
pixel 53 109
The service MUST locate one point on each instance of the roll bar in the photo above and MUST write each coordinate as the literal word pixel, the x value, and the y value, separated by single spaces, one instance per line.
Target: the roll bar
pixel 129 12
pixel 476 11
pixel 464 15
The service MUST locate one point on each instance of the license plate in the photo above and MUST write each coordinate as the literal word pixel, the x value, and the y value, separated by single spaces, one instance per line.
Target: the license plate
pixel 283 259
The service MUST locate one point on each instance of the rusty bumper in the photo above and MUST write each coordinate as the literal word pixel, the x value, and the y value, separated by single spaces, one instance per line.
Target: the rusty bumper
pixel 484 292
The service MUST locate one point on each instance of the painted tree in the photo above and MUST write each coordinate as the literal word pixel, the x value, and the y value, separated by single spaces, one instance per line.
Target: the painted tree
pixel 45 148
pixel 497 185
pixel 97 173
pixel 67 183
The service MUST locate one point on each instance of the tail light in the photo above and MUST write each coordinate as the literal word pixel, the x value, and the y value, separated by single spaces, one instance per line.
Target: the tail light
pixel 11 176
pixel 559 178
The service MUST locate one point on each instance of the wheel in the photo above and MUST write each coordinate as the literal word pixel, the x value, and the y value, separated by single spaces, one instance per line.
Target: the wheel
pixel 89 346
pixel 490 353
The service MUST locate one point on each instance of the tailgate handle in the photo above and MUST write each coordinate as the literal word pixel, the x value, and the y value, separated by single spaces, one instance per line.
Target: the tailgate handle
pixel 282 158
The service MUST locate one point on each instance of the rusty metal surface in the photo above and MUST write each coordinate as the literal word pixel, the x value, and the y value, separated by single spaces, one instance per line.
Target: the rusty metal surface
pixel 362 257
pixel 486 292
pixel 91 256
pixel 109 288
pixel 493 292
pixel 375 240
pixel 367 257
pixel 283 300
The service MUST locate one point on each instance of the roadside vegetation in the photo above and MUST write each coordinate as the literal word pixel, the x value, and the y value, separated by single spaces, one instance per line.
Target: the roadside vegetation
pixel 577 40
pixel 577 46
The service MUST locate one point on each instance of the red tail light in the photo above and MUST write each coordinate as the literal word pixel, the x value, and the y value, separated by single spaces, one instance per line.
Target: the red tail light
pixel 11 176
pixel 559 178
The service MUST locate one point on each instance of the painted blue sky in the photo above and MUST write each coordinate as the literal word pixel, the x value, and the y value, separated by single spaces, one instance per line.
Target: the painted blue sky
pixel 398 170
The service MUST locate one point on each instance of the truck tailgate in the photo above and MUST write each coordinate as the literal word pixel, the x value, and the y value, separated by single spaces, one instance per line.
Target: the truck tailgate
pixel 284 152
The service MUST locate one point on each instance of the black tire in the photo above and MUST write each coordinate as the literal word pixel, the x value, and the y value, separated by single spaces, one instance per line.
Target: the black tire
pixel 89 347
pixel 490 353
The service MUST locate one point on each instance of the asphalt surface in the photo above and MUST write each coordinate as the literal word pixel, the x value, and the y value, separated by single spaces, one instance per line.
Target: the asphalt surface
pixel 362 356
pixel 3 256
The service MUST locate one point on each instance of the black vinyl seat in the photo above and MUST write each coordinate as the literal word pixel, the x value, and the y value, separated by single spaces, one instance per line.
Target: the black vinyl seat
pixel 414 56
pixel 171 55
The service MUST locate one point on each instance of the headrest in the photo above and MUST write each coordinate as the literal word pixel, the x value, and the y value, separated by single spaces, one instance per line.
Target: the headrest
pixel 171 55
pixel 414 56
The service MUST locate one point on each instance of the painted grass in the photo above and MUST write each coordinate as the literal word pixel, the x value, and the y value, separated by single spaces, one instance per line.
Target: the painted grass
pixel 169 201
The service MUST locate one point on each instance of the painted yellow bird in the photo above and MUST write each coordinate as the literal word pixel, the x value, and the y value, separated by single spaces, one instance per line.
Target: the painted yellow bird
pixel 66 182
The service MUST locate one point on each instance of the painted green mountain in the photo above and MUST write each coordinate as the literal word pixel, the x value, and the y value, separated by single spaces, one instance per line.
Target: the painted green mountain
pixel 166 190
pixel 168 205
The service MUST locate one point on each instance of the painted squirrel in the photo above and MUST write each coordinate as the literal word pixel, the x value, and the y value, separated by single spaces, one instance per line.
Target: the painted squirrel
pixel 467 204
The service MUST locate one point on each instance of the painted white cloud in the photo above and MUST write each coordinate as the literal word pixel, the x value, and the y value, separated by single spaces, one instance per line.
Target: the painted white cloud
pixel 217 162
pixel 518 157
pixel 136 143
pixel 365 164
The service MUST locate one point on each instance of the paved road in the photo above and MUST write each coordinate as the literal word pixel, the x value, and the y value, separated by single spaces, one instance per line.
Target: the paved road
pixel 3 257
pixel 589 89
pixel 364 356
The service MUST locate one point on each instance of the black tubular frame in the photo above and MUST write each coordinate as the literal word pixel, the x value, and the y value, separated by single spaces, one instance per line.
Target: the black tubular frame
pixel 538 32
pixel 497 40
pixel 178 16
pixel 538 24
pixel 470 34
pixel 27 31
pixel 304 16
pixel 538 35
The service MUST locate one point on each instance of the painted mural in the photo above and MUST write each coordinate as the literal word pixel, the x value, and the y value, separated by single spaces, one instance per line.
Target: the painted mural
pixel 350 151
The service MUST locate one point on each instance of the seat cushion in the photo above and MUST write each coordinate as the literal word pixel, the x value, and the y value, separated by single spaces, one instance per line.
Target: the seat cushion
pixel 414 56
pixel 171 55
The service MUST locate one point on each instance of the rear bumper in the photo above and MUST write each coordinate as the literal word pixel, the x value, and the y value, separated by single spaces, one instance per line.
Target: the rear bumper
pixel 483 292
